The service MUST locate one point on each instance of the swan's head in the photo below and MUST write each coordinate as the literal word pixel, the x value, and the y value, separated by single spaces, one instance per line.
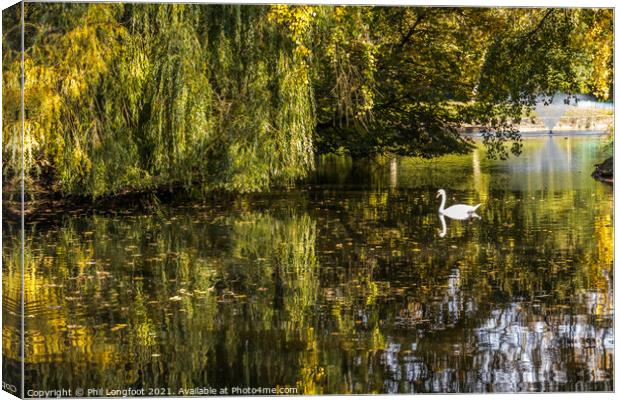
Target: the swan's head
pixel 441 192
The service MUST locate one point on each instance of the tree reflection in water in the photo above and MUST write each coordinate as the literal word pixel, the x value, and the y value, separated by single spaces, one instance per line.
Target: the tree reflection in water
pixel 340 287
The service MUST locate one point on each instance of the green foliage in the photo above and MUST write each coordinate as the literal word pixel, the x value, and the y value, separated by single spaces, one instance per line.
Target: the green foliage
pixel 133 97
pixel 541 52
pixel 404 86
pixel 434 70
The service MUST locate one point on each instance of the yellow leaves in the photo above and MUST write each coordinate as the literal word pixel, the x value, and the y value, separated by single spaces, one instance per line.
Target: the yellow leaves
pixel 296 18
pixel 340 13
pixel 85 57
pixel 302 51
pixel 82 159
pixel 58 68
pixel 297 21
pixel 598 39
pixel 601 72
pixel 62 69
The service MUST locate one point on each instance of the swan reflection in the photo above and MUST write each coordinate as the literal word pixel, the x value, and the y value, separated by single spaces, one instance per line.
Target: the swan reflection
pixel 442 219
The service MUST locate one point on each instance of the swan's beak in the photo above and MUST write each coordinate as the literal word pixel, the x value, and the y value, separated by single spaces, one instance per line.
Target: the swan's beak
pixel 438 194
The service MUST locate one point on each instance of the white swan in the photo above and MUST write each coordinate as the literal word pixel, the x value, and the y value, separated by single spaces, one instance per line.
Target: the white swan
pixel 457 211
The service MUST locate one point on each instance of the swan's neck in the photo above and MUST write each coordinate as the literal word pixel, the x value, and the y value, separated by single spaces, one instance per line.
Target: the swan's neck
pixel 443 202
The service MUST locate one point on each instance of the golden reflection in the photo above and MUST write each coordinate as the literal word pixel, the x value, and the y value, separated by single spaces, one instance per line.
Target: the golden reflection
pixel 334 291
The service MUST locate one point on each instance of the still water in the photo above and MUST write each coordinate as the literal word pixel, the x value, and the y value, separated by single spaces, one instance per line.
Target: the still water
pixel 342 285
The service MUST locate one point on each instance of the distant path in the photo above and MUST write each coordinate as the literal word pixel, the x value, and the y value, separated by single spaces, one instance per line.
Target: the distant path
pixel 559 133
pixel 563 133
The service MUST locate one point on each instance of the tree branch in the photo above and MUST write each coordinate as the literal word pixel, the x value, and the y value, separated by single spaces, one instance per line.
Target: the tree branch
pixel 412 30
pixel 540 24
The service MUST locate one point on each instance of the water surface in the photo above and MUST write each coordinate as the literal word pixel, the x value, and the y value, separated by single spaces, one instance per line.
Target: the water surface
pixel 342 285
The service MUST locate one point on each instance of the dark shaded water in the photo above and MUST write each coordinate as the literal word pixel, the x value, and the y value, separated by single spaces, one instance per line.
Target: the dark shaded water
pixel 342 286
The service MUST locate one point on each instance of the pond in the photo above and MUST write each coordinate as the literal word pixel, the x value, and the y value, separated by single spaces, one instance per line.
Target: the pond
pixel 343 285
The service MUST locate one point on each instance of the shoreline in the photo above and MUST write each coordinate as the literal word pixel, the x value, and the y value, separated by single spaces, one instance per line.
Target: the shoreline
pixel 48 203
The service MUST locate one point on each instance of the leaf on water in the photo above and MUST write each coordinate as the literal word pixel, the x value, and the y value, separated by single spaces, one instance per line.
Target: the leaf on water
pixel 176 298
pixel 118 327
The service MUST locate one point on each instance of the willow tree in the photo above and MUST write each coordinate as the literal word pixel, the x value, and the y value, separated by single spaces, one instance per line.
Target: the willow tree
pixel 133 97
